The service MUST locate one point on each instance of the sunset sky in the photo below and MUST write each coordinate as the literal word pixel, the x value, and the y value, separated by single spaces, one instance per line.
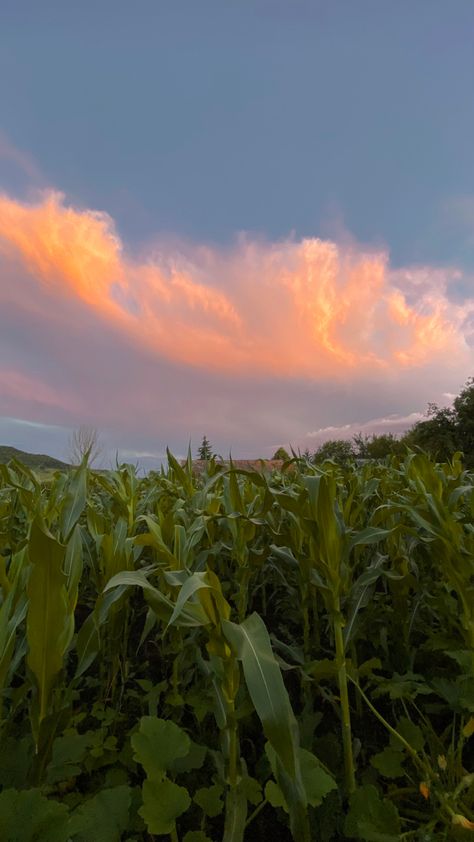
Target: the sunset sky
pixel 250 219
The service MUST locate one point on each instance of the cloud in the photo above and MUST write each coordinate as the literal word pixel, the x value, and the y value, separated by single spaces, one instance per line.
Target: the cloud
pixel 21 160
pixel 259 341
pixel 374 426
pixel 289 309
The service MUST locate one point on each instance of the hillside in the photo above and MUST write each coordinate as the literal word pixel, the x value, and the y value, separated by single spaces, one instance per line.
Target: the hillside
pixel 31 460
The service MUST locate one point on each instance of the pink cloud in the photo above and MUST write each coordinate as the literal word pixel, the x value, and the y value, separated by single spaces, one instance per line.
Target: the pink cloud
pixel 255 343
pixel 307 309
pixel 17 388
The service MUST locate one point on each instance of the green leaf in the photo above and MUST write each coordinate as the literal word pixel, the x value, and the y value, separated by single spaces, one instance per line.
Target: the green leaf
pixel 68 753
pixel 252 646
pixel 73 502
pixel 389 762
pixel 196 836
pixel 50 624
pixel 16 761
pixel 88 637
pixel 209 799
pixel 163 802
pixel 316 781
pixel 104 817
pixel 252 790
pixel 157 744
pixel 251 643
pixel 28 816
pixel 192 760
pixel 73 565
pixel 369 535
pixel 274 795
pixel 193 584
pixel 191 615
pixel 370 818
pixel 411 732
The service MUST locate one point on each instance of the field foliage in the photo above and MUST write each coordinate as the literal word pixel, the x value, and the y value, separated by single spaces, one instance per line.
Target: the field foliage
pixel 238 656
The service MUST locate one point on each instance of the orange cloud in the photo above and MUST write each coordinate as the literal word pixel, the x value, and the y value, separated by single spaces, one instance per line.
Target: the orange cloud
pixel 293 309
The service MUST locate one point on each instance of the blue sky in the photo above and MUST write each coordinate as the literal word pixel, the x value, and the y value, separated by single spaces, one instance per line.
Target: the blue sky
pixel 191 122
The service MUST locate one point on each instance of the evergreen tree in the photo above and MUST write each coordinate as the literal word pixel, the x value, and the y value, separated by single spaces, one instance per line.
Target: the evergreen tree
pixel 205 450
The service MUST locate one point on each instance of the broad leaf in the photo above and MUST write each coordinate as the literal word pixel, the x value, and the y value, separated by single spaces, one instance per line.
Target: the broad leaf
pixel 104 817
pixel 157 744
pixel 28 816
pixel 372 818
pixel 163 802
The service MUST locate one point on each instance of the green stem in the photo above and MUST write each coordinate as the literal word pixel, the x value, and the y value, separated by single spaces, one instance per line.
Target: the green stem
pixel 305 611
pixel 344 697
pixel 174 834
pixel 256 812
pixel 232 730
pixel 389 728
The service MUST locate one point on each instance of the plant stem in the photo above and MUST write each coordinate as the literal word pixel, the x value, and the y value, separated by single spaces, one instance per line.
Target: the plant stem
pixel 174 834
pixel 344 697
pixel 255 813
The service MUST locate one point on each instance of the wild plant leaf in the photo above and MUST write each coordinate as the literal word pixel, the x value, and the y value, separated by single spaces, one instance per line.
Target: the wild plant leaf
pixel 411 732
pixel 372 818
pixel 69 751
pixel 252 790
pixel 17 755
pixel 389 762
pixel 163 802
pixel 194 759
pixel 316 781
pixel 274 795
pixel 104 817
pixel 196 836
pixel 406 686
pixel 28 816
pixel 157 744
pixel 322 669
pixel 209 799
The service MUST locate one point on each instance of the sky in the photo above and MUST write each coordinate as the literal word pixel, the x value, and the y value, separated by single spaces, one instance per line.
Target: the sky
pixel 252 220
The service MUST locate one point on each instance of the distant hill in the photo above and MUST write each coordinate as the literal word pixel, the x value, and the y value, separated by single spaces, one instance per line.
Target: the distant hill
pixel 31 460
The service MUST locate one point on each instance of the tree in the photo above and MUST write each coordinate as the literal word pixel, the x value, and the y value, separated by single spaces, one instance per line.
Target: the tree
pixel 83 442
pixel 281 453
pixel 338 450
pixel 378 446
pixel 464 409
pixel 438 435
pixel 205 449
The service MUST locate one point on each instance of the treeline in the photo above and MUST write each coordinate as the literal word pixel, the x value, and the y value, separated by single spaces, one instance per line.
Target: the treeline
pixel 444 431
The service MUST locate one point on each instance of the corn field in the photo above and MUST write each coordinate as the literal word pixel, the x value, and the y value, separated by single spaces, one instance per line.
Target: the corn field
pixel 238 656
